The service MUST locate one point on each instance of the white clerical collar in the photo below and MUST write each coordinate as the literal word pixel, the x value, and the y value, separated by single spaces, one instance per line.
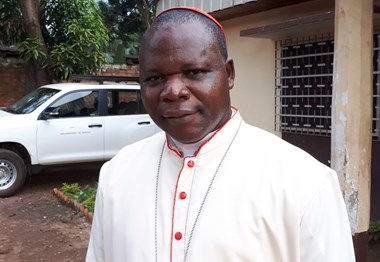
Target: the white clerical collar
pixel 190 149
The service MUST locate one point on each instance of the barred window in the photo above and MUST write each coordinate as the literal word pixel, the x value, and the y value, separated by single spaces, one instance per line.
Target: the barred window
pixel 304 72
pixel 376 87
pixel 304 77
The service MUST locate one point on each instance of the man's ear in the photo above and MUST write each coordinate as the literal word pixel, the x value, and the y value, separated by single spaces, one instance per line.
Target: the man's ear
pixel 230 69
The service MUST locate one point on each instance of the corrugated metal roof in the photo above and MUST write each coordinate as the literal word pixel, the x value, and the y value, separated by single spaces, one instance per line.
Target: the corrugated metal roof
pixel 206 5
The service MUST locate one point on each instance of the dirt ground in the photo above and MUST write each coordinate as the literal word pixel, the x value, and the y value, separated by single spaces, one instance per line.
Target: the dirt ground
pixel 37 227
pixel 374 252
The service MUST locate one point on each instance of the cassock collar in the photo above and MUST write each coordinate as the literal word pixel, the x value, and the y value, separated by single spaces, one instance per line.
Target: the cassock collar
pixel 189 149
pixel 219 136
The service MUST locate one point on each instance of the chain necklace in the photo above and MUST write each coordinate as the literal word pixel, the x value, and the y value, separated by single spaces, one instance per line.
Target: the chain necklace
pixel 202 204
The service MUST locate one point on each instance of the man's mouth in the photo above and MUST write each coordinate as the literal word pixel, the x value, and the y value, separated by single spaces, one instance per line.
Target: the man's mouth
pixel 178 114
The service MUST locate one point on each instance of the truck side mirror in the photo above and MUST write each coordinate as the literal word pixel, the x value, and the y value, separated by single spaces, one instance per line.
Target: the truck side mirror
pixel 50 112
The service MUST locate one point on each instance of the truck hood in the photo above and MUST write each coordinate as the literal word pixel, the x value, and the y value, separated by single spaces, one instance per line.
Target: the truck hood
pixel 9 121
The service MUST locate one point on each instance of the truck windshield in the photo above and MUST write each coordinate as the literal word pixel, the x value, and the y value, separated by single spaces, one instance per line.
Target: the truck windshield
pixel 31 101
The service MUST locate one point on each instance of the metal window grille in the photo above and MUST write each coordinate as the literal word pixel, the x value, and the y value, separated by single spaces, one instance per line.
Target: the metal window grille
pixel 304 73
pixel 376 87
pixel 303 92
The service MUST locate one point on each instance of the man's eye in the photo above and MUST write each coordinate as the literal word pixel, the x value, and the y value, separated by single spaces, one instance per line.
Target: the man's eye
pixel 153 79
pixel 195 73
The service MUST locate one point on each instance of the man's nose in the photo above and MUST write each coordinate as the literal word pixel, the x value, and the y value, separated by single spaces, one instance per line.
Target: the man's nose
pixel 175 89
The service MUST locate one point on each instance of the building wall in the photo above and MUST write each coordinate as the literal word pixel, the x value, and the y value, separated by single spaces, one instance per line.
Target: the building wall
pixel 119 70
pixel 253 93
pixel 13 76
pixel 255 61
pixel 254 87
pixel 12 84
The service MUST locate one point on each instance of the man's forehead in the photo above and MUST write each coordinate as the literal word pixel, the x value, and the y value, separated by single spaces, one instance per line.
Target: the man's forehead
pixel 192 29
pixel 178 43
pixel 174 24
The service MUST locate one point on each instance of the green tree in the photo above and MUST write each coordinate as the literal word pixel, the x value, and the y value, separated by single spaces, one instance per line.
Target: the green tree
pixel 127 21
pixel 76 34
pixel 57 37
pixel 11 29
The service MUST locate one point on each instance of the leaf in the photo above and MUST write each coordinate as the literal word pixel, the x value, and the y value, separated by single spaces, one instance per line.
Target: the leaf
pixel 85 196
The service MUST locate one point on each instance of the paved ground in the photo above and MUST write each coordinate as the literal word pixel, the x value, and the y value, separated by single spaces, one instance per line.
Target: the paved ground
pixel 36 227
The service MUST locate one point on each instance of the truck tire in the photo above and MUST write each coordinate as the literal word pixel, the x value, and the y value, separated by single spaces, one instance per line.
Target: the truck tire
pixel 12 173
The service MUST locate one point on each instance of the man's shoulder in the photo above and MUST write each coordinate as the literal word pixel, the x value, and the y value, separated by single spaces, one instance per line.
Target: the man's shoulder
pixel 280 151
pixel 133 157
pixel 141 149
pixel 263 138
pixel 288 165
pixel 149 143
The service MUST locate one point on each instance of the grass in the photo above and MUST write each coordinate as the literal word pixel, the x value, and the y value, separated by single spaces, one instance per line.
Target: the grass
pixel 83 195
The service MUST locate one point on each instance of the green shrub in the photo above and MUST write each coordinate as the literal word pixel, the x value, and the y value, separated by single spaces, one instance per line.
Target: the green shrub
pixel 83 195
pixel 374 227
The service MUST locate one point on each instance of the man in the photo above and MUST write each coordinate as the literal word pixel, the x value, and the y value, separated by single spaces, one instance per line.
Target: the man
pixel 211 188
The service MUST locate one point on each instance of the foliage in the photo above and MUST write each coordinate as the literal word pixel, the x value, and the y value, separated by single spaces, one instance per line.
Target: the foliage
pixel 74 33
pixel 374 227
pixel 77 35
pixel 84 196
pixel 127 21
pixel 31 49
pixel 11 30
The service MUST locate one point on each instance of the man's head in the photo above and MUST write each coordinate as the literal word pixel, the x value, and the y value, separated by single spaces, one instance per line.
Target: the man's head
pixel 185 74
pixel 183 15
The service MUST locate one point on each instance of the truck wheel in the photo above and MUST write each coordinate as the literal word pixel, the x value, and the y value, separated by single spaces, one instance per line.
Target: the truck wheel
pixel 12 173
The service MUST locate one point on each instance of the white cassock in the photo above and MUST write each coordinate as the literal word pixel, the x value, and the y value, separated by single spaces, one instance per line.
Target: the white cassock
pixel 257 199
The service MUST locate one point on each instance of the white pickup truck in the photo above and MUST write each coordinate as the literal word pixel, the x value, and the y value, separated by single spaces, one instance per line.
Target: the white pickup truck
pixel 68 123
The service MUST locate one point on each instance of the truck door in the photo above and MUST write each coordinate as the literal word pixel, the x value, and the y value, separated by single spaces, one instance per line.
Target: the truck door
pixel 127 121
pixel 74 132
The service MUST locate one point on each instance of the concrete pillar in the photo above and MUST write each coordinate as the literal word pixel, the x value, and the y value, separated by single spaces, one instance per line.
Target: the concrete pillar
pixel 351 136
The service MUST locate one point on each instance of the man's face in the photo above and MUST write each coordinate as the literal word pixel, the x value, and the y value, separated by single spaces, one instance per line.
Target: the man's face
pixel 185 81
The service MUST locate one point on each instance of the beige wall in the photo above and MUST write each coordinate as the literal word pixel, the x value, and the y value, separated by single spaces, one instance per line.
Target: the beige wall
pixel 254 61
pixel 253 93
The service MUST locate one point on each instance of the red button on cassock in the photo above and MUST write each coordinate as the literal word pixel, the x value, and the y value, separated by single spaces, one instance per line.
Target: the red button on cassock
pixel 182 195
pixel 190 163
pixel 178 235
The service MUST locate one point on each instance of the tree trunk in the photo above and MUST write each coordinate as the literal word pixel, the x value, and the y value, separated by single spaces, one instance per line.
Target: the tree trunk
pixel 145 13
pixel 31 20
